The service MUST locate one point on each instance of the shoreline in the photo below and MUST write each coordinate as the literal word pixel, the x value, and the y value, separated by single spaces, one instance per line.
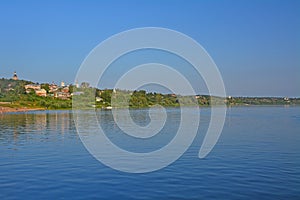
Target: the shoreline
pixel 4 110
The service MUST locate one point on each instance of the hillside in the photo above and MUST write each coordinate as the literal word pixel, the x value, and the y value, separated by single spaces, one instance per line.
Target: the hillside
pixel 14 96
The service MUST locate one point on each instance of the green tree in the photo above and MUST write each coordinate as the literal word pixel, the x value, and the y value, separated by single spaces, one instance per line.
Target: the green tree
pixel 71 88
pixel 85 85
pixel 45 86
pixel 106 95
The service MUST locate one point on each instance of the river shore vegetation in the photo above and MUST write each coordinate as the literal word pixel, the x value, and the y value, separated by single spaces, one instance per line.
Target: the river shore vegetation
pixel 16 95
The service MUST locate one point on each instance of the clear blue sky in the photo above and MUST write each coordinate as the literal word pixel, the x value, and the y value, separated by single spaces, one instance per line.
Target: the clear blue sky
pixel 255 44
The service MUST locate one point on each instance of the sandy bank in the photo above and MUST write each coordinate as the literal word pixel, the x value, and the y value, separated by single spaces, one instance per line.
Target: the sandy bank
pixel 24 109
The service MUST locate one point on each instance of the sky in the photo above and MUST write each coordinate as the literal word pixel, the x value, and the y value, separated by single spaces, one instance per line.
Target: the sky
pixel 255 44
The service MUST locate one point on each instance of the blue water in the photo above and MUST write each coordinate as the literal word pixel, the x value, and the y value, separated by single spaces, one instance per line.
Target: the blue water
pixel 256 157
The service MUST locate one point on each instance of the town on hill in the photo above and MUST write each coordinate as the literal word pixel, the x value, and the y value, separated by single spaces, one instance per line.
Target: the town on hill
pixel 21 95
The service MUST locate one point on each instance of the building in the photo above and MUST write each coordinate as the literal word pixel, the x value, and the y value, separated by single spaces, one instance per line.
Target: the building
pixel 76 84
pixel 77 93
pixel 65 90
pixel 98 99
pixel 62 95
pixel 32 86
pixel 53 88
pixel 41 92
pixel 37 89
pixel 15 77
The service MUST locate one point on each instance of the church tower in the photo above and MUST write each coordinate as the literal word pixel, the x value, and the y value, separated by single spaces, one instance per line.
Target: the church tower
pixel 15 77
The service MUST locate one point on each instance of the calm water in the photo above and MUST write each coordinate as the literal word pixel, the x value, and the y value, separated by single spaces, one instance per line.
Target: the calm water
pixel 256 157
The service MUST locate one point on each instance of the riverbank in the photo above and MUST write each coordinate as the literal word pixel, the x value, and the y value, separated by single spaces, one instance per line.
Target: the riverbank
pixel 4 110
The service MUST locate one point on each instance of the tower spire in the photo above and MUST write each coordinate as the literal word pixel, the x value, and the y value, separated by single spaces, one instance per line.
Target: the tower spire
pixel 15 76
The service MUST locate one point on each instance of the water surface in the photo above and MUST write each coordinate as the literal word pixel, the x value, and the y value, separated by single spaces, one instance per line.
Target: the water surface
pixel 256 157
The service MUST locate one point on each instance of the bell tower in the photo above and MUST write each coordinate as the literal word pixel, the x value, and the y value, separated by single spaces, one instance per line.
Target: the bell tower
pixel 15 77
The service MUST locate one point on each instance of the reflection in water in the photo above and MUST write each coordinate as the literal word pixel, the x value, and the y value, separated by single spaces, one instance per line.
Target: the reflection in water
pixel 256 157
pixel 13 126
pixel 141 117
